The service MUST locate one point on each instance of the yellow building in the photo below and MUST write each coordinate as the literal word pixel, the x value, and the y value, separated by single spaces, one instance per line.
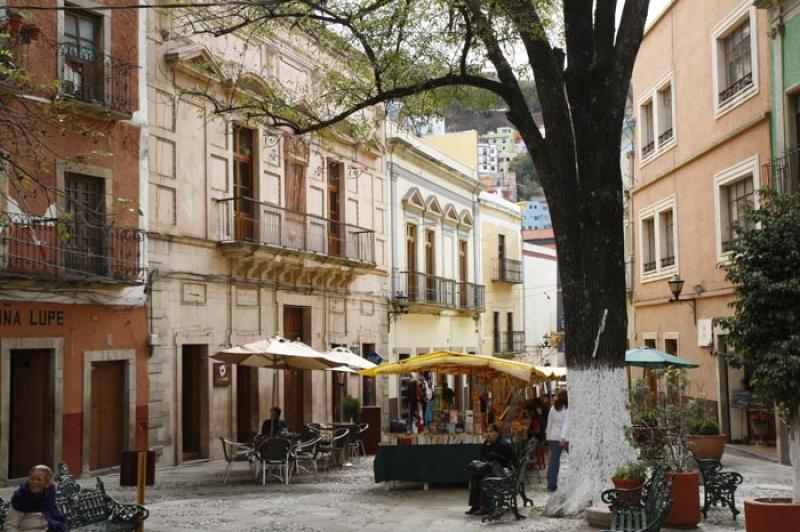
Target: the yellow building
pixel 461 146
pixel 502 330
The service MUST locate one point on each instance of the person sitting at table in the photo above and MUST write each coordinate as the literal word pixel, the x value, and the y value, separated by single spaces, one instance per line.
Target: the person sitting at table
pixel 274 425
pixel 496 451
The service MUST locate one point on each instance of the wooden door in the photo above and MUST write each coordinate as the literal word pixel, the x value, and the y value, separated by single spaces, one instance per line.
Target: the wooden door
pixel 244 209
pixel 496 331
pixel 85 249
pixel 293 399
pixel 368 387
pixel 411 254
pixel 462 272
pixel 245 407
pixel 430 265
pixel 192 380
pixel 30 434
pixel 107 434
pixel 336 232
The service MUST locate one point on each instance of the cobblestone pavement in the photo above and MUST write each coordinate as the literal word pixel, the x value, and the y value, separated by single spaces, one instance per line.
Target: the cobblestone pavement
pixel 192 497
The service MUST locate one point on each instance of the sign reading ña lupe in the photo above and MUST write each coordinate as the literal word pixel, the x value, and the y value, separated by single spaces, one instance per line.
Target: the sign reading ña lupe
pixel 11 317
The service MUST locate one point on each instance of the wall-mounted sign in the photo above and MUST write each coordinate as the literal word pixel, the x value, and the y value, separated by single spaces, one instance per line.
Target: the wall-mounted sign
pixel 222 374
pixel 38 318
pixel 741 399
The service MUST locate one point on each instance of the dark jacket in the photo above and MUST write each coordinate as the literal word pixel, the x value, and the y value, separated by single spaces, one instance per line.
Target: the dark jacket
pixel 501 452
pixel 280 426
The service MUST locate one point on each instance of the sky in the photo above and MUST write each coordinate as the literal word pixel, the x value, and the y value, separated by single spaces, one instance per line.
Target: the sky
pixel 655 8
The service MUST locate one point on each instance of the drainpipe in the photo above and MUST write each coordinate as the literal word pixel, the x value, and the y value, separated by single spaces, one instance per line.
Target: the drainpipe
pixel 478 271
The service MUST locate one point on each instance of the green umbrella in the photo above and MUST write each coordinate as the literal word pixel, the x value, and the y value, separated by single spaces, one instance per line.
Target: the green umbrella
pixel 647 357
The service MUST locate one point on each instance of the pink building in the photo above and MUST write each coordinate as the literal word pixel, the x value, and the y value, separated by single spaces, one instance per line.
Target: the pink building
pixel 701 101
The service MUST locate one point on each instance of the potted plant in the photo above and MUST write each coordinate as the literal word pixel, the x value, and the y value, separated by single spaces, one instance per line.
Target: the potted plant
pixel 669 447
pixel 630 476
pixel 352 409
pixel 645 433
pixel 763 332
pixel 14 22
pixel 704 438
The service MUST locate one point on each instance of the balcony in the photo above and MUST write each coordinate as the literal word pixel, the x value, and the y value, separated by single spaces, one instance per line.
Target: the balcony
pixel 51 248
pixel 429 292
pixel 244 222
pixel 781 174
pixel 97 79
pixel 506 270
pixel 509 342
pixel 735 88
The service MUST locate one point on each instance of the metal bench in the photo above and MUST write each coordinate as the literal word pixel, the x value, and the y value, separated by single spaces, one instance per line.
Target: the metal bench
pixel 94 510
pixel 641 509
pixel 501 492
pixel 719 486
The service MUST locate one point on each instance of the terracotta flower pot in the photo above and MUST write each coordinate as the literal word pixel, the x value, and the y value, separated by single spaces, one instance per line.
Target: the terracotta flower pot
pixel 15 23
pixel 771 515
pixel 707 447
pixel 629 484
pixel 685 495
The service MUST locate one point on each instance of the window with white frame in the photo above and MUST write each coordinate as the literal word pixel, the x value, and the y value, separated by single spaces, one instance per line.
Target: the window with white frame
pixel 735 196
pixel 657 117
pixel 658 239
pixel 734 50
pixel 648 135
pixel 665 114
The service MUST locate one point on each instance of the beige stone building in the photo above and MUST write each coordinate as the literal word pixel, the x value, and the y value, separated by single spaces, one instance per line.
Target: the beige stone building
pixel 502 323
pixel 701 96
pixel 253 232
pixel 434 255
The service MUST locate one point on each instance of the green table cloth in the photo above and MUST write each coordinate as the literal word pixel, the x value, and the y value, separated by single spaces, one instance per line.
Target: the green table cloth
pixel 425 463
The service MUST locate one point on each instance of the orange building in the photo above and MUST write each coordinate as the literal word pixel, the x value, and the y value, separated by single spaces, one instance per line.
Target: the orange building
pixel 701 99
pixel 73 344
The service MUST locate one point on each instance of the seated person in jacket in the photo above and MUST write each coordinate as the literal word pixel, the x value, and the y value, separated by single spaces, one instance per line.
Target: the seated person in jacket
pixel 274 425
pixel 33 506
pixel 495 450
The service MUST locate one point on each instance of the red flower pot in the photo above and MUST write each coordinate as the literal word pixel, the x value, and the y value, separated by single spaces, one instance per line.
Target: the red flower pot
pixel 685 495
pixel 771 515
pixel 629 484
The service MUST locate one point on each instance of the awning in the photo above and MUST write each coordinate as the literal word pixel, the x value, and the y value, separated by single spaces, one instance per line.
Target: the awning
pixel 456 363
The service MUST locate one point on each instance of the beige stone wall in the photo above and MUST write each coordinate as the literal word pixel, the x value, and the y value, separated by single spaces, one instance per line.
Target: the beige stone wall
pixel 711 142
pixel 213 295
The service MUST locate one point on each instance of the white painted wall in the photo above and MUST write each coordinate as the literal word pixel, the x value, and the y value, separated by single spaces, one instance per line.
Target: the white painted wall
pixel 540 285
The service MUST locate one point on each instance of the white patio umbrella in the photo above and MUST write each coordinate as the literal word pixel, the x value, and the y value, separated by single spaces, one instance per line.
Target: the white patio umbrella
pixel 347 358
pixel 276 353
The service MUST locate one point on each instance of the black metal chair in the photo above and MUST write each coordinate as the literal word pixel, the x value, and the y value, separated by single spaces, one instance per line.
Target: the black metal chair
pixel 357 449
pixel 274 455
pixel 235 452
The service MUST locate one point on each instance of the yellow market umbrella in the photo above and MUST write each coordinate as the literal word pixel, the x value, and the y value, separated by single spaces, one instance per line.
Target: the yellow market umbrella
pixel 455 363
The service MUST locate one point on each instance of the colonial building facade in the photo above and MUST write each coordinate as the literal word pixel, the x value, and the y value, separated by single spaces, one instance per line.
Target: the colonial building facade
pixel 701 97
pixel 502 323
pixel 253 232
pixel 436 267
pixel 73 349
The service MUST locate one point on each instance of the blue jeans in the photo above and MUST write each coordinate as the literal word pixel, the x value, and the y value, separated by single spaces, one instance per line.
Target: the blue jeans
pixel 555 463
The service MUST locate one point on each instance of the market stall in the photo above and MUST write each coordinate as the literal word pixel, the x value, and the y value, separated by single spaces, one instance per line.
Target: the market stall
pixel 437 450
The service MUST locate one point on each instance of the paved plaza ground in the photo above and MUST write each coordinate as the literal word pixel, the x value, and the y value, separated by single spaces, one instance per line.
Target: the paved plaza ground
pixel 192 497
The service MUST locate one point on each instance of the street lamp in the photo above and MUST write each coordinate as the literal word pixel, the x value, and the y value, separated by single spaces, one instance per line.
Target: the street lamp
pixel 676 286
pixel 399 305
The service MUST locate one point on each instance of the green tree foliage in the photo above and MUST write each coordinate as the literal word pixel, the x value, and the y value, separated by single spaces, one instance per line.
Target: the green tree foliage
pixel 527 177
pixel 765 329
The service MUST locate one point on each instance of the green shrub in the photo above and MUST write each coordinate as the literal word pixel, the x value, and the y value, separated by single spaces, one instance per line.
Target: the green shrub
pixel 352 409
pixel 704 427
pixel 631 471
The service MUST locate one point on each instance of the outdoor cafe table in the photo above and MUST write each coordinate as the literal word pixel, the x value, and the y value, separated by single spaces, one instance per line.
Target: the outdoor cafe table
pixel 429 464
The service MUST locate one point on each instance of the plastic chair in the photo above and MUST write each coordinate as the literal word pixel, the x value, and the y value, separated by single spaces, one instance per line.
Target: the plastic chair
pixel 274 455
pixel 234 452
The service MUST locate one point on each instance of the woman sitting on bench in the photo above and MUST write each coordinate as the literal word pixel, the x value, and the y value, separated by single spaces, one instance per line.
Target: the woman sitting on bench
pixel 33 505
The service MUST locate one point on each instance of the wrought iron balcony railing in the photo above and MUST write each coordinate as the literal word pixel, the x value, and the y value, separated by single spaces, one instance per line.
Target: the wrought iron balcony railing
pixel 247 220
pixel 425 289
pixel 648 148
pixel 649 266
pixel 735 88
pixel 506 270
pixel 69 250
pixel 666 262
pixel 509 342
pixel 665 137
pixel 94 77
pixel 782 174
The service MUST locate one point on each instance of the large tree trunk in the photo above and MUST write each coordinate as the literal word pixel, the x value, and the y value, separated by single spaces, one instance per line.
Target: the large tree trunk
pixel 592 269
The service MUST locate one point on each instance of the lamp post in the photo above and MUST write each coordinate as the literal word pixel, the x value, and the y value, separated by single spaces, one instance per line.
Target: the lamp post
pixel 675 284
pixel 399 305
